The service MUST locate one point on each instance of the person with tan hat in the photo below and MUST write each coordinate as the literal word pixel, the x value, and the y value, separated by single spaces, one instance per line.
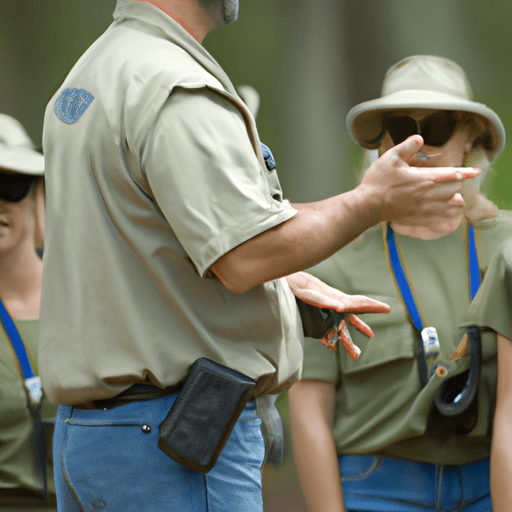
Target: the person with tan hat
pixel 169 242
pixel 26 481
pixel 407 425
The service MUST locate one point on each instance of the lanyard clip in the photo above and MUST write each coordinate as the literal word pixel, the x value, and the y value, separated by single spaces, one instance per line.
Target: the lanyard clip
pixel 431 347
pixel 33 385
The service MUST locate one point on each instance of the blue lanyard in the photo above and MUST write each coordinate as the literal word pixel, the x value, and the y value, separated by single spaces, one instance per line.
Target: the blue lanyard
pixel 33 385
pixel 16 342
pixel 475 278
pixel 403 283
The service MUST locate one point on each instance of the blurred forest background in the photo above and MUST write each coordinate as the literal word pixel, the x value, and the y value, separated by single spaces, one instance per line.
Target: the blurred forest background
pixel 311 61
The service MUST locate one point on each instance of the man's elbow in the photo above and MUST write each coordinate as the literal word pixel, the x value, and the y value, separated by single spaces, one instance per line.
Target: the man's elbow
pixel 231 276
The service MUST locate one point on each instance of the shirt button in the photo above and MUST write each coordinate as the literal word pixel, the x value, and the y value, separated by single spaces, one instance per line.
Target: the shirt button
pixel 146 428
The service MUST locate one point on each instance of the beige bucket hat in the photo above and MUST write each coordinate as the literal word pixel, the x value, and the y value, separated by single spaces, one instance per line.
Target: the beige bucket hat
pixel 17 151
pixel 423 82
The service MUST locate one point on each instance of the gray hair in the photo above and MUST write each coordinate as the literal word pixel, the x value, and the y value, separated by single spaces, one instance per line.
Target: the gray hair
pixel 228 9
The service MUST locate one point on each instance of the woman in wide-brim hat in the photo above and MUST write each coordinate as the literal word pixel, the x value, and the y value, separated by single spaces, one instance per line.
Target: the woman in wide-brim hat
pixel 438 87
pixel 401 438
pixel 21 174
pixel 23 460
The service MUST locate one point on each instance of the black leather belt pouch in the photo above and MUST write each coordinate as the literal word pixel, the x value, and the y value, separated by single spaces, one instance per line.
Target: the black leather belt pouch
pixel 202 417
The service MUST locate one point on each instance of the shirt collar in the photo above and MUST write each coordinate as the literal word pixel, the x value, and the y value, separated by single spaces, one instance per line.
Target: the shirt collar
pixel 171 30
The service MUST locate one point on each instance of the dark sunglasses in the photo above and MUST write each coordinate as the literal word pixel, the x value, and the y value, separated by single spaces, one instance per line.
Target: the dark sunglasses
pixel 15 187
pixel 436 129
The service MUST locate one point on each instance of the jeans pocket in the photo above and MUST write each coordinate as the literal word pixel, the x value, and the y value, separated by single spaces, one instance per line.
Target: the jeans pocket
pixel 236 477
pixel 248 436
pixel 113 464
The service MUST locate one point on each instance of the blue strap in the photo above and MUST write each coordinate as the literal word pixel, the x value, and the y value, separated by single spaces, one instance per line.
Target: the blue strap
pixel 403 283
pixel 33 385
pixel 16 342
pixel 401 280
pixel 475 278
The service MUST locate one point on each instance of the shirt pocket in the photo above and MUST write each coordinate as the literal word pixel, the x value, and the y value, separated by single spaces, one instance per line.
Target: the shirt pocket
pixel 394 339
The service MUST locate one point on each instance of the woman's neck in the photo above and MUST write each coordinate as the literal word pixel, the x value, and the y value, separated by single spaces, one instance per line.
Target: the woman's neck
pixel 20 283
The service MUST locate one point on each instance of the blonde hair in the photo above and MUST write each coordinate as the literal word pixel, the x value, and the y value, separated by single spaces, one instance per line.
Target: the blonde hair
pixel 478 132
pixel 476 126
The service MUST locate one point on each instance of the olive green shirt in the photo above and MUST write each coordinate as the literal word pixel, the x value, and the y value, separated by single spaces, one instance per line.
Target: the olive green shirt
pixel 380 405
pixel 17 460
pixel 154 171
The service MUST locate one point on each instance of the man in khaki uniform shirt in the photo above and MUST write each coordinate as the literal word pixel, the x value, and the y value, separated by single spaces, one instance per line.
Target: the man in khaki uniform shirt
pixel 167 240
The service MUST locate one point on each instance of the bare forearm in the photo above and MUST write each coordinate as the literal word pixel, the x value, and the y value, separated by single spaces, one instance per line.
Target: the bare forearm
pixel 316 232
pixel 501 451
pixel 314 450
pixel 501 466
pixel 317 468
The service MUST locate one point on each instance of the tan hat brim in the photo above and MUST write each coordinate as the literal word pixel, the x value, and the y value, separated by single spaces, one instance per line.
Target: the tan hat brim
pixel 22 160
pixel 364 121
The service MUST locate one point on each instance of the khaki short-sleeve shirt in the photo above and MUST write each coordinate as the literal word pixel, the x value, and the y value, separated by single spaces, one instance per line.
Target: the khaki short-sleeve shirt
pixel 154 171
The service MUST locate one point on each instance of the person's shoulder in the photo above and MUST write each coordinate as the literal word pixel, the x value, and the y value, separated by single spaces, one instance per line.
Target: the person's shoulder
pixel 504 217
pixel 369 240
pixel 501 229
pixel 368 243
pixel 341 264
pixel 491 240
pixel 145 55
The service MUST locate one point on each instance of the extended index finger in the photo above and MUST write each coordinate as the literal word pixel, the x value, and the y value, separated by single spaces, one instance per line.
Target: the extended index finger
pixel 360 304
pixel 442 174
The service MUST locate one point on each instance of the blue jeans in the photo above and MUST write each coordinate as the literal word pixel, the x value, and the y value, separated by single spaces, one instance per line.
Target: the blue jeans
pixel 108 459
pixel 386 484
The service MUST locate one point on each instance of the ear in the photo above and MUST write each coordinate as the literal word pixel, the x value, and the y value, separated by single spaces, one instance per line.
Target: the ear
pixel 468 148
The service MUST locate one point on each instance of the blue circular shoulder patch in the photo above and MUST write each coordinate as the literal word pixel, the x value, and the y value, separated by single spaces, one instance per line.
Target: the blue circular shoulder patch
pixel 71 104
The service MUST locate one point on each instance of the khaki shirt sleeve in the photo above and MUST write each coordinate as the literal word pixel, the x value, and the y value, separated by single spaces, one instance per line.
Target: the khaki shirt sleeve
pixel 206 177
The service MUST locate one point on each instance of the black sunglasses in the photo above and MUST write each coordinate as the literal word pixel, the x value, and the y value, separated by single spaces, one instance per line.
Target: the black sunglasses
pixel 436 129
pixel 15 187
